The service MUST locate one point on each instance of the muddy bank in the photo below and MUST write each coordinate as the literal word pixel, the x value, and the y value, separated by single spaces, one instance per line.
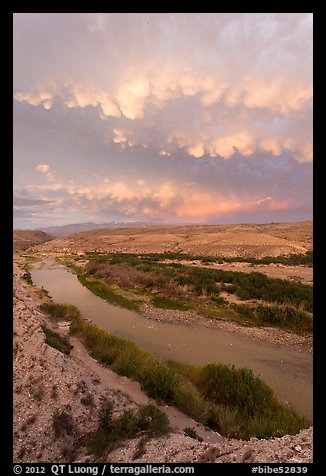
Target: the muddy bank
pixel 301 343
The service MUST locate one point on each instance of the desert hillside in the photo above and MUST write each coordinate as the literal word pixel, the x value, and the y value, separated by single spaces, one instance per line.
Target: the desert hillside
pixel 24 239
pixel 253 240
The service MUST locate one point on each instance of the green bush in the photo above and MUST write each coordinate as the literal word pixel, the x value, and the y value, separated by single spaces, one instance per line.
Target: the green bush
pixel 159 381
pixel 153 421
pixel 57 341
pixel 232 387
pixel 285 317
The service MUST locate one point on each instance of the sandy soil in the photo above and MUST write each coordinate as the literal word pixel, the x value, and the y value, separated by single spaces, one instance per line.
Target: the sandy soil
pixel 46 381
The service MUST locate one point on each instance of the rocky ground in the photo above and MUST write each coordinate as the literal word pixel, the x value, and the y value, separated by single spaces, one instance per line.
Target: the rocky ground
pixel 246 240
pixel 51 388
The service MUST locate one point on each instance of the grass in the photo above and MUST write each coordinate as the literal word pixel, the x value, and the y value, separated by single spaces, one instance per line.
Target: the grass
pixel 242 405
pixel 232 401
pixel 56 341
pixel 282 316
pixel 64 312
pixel 148 420
pixel 107 293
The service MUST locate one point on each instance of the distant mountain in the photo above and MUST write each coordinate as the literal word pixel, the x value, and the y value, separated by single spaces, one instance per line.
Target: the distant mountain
pixel 64 230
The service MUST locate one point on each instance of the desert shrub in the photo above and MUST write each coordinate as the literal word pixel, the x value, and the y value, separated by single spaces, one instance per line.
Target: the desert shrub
pixel 27 277
pixel 38 391
pixel 286 317
pixel 140 448
pixel 188 399
pixel 189 431
pixel 87 400
pixel 105 416
pixel 54 392
pixel 123 275
pixel 152 420
pixel 259 286
pixel 57 341
pixel 30 420
pixel 63 424
pixel 148 420
pixel 42 293
pixel 219 300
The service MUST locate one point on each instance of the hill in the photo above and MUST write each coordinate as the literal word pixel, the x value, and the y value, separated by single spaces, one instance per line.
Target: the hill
pixel 24 239
pixel 245 240
pixel 65 230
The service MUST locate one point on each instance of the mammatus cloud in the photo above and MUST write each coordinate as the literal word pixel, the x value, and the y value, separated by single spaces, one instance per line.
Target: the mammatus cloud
pixel 246 127
pixel 196 105
pixel 46 170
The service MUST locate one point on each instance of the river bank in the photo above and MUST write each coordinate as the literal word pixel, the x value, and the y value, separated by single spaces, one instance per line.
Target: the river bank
pixel 39 369
pixel 287 368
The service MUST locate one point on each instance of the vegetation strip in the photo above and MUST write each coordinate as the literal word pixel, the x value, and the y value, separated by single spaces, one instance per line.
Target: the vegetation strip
pixel 299 259
pixel 175 286
pixel 231 401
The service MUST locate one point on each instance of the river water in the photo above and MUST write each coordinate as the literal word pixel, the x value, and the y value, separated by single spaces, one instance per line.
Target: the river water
pixel 287 371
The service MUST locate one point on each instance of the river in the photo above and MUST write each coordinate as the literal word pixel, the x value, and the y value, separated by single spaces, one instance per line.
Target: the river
pixel 286 370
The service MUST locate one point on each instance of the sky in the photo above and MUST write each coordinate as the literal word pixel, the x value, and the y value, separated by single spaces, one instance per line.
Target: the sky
pixel 162 118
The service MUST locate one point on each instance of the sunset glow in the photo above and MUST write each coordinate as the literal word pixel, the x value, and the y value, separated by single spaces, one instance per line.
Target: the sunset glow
pixel 165 118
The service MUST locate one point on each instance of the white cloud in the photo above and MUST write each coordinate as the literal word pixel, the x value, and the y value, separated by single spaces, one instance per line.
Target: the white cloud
pixel 47 171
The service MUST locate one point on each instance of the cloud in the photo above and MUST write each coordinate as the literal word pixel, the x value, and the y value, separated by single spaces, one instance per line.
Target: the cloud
pixel 135 79
pixel 47 171
pixel 189 195
pixel 167 115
